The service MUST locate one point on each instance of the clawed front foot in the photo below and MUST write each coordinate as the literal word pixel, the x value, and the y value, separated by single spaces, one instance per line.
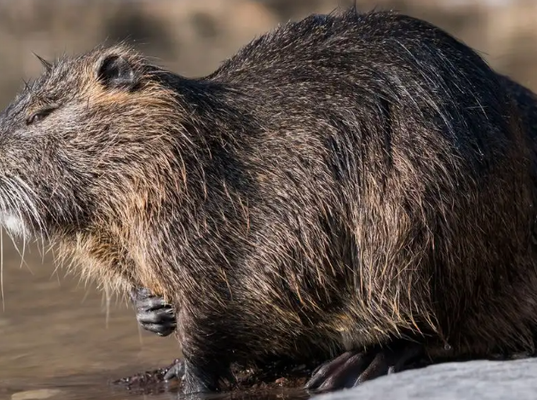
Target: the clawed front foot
pixel 353 367
pixel 153 313
pixel 175 371
pixel 150 379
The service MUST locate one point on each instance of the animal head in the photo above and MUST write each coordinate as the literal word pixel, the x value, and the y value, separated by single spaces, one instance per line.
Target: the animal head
pixel 87 141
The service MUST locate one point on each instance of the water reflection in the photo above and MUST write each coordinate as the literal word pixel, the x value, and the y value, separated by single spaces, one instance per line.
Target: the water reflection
pixel 61 340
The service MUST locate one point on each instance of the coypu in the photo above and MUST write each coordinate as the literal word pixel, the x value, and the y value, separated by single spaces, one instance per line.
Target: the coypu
pixel 351 185
pixel 155 315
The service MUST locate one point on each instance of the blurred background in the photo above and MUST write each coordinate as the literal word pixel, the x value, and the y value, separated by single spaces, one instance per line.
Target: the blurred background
pixel 52 327
pixel 193 36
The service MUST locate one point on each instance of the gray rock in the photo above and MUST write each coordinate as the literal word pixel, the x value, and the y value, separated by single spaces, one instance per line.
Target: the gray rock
pixel 38 394
pixel 495 380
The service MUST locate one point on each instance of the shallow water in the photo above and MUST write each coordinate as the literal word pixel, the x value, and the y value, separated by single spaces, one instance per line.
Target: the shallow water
pixel 57 340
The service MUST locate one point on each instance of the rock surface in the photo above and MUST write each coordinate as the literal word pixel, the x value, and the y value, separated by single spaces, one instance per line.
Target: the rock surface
pixel 470 380
pixel 38 394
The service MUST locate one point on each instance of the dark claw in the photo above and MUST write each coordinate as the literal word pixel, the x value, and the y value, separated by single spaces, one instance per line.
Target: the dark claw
pixel 353 368
pixel 153 313
pixel 339 373
pixel 175 371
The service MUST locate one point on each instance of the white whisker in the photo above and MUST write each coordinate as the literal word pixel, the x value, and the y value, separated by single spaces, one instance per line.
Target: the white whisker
pixel 23 253
pixel 2 209
pixel 2 269
pixel 29 202
pixel 58 279
pixel 86 294
pixel 17 225
pixel 107 294
pixel 30 198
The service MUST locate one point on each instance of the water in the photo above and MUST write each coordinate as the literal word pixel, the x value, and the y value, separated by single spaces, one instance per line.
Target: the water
pixel 57 340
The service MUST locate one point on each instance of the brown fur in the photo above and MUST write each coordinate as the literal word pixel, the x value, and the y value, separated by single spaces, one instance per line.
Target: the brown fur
pixel 341 182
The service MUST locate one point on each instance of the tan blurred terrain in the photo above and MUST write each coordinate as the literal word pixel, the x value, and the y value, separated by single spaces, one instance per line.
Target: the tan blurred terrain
pixel 193 36
pixel 54 328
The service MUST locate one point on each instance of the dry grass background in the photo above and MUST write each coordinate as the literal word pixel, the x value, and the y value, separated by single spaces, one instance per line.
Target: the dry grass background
pixel 193 36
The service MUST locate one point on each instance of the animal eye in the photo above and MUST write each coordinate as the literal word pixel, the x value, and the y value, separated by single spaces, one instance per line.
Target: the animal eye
pixel 39 115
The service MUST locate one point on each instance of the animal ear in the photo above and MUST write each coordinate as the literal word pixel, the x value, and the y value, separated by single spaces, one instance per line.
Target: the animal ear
pixel 116 71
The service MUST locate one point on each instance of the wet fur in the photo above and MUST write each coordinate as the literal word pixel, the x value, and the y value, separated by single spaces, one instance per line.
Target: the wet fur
pixel 340 182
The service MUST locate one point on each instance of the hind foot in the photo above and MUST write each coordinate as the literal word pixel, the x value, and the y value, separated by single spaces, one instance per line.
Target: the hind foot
pixel 353 367
pixel 153 313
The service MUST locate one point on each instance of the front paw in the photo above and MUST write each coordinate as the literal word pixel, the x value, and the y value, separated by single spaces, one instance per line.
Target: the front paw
pixel 153 313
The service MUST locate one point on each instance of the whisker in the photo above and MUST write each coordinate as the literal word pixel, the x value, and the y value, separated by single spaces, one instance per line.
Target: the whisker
pixel 23 253
pixel 2 209
pixel 107 295
pixel 58 279
pixel 2 269
pixel 26 191
pixel 15 193
pixel 84 298
pixel 31 202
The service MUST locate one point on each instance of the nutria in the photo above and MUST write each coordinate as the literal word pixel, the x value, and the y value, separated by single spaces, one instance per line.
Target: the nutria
pixel 157 316
pixel 357 186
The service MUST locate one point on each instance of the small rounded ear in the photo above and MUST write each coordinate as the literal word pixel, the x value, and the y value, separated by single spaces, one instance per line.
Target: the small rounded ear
pixel 115 71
